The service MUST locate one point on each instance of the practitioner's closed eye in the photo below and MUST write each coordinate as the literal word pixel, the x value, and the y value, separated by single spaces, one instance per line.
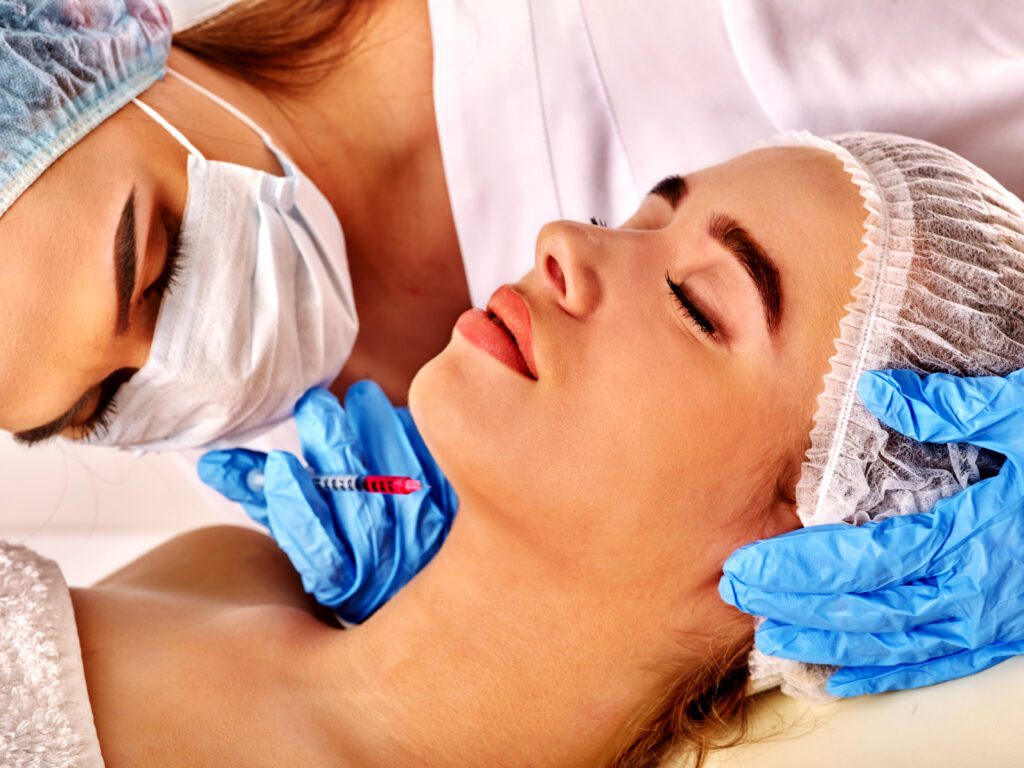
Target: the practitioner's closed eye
pixel 173 259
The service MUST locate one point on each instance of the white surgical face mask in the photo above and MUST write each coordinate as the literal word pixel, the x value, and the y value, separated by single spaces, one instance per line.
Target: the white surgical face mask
pixel 262 309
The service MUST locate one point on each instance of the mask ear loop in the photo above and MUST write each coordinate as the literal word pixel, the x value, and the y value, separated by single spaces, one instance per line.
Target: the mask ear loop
pixel 178 135
pixel 282 157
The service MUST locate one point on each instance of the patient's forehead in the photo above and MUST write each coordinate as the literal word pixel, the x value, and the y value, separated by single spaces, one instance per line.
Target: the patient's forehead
pixel 794 176
pixel 798 202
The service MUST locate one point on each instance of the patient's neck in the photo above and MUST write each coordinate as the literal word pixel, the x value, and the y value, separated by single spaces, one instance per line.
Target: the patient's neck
pixel 492 657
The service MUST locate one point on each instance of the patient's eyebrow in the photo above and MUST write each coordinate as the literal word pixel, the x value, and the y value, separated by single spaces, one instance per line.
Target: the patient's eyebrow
pixel 672 189
pixel 124 264
pixel 735 239
pixel 755 261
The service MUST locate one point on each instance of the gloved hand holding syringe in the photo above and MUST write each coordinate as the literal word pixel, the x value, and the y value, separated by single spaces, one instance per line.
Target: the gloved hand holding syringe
pixel 354 534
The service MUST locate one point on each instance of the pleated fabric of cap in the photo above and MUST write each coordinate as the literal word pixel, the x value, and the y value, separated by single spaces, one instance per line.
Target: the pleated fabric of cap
pixel 66 66
pixel 940 289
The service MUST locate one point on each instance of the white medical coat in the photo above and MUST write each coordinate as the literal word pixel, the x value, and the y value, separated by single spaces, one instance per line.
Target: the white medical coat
pixel 573 108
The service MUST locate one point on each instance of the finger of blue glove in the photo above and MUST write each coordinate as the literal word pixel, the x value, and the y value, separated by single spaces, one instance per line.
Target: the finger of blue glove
pixel 329 443
pixel 838 557
pixel 383 575
pixel 816 646
pixel 987 411
pixel 368 522
pixel 302 524
pixel 845 558
pixel 892 609
pixel 858 681
pixel 441 491
pixel 381 434
pixel 228 473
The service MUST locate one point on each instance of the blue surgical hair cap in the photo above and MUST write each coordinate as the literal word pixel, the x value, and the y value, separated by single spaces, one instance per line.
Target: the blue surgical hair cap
pixel 65 67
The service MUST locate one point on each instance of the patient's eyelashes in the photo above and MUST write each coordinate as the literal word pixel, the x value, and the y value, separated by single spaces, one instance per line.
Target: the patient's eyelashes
pixel 598 222
pixel 690 309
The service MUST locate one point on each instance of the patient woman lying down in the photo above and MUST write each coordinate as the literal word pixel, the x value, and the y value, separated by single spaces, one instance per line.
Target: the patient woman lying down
pixel 572 618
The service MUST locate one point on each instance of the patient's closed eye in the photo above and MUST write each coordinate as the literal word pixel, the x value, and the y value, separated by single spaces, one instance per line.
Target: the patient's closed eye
pixel 690 310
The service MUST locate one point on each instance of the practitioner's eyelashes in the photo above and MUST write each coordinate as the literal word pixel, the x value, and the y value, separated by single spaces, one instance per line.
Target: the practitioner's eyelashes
pixel 690 310
pixel 97 424
pixel 99 421
pixel 172 264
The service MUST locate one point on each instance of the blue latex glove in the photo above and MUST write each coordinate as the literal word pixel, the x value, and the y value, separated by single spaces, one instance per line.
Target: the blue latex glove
pixel 353 550
pixel 913 600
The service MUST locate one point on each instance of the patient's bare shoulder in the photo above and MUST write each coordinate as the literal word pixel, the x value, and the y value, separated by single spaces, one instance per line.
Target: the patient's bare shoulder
pixel 195 655
pixel 222 563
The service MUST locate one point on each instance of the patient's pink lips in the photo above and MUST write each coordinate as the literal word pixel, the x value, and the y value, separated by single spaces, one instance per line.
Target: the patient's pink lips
pixel 510 308
pixel 503 331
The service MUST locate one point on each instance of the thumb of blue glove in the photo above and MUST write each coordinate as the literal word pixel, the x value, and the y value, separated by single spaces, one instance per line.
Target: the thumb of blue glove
pixel 231 474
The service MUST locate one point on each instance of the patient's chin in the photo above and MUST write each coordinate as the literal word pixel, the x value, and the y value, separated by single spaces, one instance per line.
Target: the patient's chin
pixel 419 396
pixel 461 416
pixel 434 396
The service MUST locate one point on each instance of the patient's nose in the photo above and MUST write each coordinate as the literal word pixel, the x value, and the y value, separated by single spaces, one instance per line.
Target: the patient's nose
pixel 567 259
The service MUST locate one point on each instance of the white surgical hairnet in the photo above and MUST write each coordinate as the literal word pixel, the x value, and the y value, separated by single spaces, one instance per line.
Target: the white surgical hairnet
pixel 940 288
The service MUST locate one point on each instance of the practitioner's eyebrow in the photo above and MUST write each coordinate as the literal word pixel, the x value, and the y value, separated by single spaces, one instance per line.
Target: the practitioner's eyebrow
pixel 672 189
pixel 124 264
pixel 754 259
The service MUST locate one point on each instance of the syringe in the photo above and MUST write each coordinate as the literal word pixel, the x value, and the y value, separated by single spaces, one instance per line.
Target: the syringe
pixel 365 483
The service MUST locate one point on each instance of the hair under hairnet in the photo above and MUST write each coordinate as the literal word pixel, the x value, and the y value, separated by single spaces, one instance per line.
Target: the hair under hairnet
pixel 940 289
pixel 65 67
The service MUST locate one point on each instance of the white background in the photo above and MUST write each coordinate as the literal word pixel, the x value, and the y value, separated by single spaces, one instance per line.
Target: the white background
pixel 93 509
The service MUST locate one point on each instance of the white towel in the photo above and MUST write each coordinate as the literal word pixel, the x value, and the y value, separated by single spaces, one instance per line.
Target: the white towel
pixel 45 717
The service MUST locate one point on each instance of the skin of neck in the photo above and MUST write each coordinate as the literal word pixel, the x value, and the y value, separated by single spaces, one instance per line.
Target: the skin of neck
pixel 372 112
pixel 496 655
